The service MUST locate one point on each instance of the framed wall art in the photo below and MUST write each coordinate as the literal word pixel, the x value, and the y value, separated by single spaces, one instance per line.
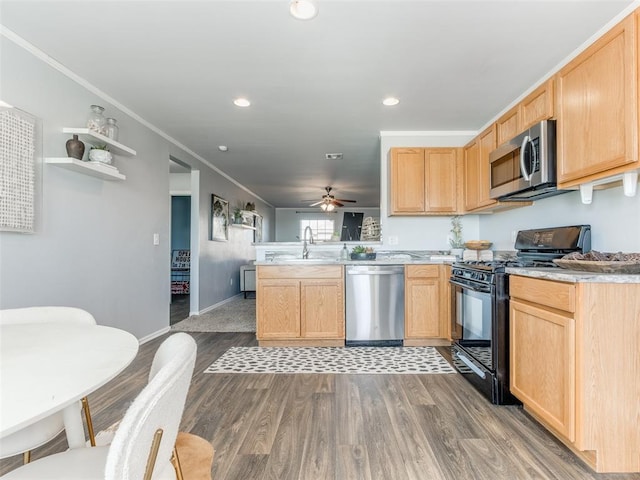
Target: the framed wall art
pixel 219 219
pixel 17 171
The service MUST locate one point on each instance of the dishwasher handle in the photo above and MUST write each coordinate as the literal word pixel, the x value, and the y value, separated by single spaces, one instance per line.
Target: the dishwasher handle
pixel 375 272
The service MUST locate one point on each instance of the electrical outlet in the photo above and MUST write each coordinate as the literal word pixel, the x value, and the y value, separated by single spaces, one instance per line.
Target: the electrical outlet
pixel 514 233
pixel 156 239
pixel 393 240
pixel 231 281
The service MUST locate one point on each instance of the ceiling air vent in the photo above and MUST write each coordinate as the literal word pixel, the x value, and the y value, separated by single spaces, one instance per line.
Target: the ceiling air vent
pixel 333 156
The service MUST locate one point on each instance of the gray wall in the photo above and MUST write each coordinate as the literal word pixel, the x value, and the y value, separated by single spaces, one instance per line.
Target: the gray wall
pixel 93 247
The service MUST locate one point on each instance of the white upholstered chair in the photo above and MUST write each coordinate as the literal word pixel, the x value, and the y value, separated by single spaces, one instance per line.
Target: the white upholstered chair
pixel 48 428
pixel 143 445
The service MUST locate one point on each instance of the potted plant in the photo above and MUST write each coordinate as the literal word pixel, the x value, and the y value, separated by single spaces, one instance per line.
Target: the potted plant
pixel 362 253
pixel 455 238
pixel 100 153
pixel 238 217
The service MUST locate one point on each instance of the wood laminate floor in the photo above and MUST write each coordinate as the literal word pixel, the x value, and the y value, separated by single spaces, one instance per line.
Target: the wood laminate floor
pixel 380 427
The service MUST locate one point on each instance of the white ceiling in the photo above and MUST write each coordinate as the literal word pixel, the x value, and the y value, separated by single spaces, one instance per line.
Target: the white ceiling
pixel 316 87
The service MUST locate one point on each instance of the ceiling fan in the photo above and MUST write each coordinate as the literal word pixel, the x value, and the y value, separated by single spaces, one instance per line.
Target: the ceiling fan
pixel 329 202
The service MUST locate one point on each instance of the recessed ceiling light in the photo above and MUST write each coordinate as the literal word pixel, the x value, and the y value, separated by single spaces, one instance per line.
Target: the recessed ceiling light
pixel 223 148
pixel 303 9
pixel 241 102
pixel 390 101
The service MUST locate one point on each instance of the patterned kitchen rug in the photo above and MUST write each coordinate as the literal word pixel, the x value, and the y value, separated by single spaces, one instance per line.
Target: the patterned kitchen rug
pixel 380 360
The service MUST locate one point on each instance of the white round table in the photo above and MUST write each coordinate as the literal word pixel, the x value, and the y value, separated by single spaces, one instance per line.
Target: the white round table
pixel 48 367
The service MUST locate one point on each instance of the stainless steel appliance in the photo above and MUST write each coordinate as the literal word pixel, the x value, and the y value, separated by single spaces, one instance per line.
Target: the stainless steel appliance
pixel 480 306
pixel 374 305
pixel 524 168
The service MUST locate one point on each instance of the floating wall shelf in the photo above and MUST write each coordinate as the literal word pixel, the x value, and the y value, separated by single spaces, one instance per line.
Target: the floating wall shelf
pixel 241 225
pixel 87 168
pixel 96 138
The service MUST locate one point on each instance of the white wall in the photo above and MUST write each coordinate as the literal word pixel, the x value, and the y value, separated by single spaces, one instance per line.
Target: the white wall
pixel 419 233
pixel 288 219
pixel 93 248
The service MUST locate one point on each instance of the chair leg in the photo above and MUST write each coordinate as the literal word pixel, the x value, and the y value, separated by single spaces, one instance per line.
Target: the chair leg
pixel 87 416
pixel 175 461
pixel 26 457
pixel 151 461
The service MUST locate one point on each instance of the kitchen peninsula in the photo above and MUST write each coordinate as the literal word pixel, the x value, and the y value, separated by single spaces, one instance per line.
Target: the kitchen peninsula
pixel 302 301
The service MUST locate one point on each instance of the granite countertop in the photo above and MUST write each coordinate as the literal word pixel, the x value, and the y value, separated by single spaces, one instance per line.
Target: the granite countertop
pixel 390 259
pixel 574 276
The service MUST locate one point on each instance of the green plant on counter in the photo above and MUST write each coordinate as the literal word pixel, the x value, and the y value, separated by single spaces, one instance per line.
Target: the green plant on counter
pixel 361 249
pixel 455 240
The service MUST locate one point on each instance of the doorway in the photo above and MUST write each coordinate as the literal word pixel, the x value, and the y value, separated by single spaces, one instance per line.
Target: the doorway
pixel 180 257
pixel 184 240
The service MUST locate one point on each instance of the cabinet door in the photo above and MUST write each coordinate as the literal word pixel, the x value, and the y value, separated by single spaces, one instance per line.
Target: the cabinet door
pixel 471 172
pixel 537 106
pixel 407 177
pixel 422 302
pixel 322 313
pixel 543 364
pixel 597 108
pixel 445 301
pixel 278 309
pixel 440 180
pixel 486 144
pixel 508 126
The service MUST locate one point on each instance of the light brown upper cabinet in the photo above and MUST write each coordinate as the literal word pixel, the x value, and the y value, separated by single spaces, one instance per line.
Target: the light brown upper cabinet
pixel 535 107
pixel 423 181
pixel 476 171
pixel 507 126
pixel 597 108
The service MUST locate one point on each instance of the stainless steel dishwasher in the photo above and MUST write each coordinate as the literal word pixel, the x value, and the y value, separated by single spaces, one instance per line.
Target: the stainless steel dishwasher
pixel 375 305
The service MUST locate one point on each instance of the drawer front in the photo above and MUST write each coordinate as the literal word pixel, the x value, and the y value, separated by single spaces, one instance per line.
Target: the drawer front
pixel 544 292
pixel 422 271
pixel 304 271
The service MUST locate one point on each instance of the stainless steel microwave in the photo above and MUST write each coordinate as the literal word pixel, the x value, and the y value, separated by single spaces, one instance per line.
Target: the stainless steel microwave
pixel 524 168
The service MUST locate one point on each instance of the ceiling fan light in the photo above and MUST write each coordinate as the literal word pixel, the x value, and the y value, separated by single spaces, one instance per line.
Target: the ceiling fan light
pixel 330 207
pixel 323 206
pixel 303 9
pixel 241 102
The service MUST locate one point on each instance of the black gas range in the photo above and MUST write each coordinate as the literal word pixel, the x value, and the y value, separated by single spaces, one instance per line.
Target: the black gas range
pixel 480 305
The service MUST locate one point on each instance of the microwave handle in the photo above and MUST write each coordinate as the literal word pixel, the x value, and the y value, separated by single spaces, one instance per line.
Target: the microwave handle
pixel 523 168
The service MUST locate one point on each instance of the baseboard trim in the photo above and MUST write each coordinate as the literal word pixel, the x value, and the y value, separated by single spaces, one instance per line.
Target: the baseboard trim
pixel 216 305
pixel 153 335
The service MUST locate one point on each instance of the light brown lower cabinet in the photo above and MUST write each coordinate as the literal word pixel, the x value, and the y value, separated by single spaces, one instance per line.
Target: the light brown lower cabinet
pixel 427 305
pixel 575 365
pixel 301 305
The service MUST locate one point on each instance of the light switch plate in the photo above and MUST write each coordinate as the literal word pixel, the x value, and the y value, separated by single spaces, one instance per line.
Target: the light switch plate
pixel 156 239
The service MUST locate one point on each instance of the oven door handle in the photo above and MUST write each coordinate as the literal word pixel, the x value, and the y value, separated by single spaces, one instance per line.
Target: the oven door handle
pixel 471 365
pixel 476 287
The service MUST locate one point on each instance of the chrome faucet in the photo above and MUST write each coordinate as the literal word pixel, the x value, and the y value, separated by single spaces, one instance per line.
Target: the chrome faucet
pixel 305 249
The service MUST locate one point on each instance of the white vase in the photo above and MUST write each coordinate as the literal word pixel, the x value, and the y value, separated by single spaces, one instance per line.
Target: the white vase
pixel 457 252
